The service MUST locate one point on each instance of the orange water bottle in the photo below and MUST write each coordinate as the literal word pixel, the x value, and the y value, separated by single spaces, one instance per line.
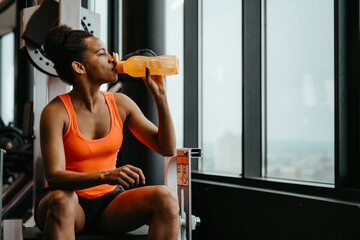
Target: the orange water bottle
pixel 135 66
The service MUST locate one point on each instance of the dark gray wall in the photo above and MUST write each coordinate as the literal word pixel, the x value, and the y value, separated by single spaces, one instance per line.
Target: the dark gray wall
pixel 143 27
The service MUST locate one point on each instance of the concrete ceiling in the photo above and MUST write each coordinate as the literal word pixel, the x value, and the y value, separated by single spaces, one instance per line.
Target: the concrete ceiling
pixel 8 20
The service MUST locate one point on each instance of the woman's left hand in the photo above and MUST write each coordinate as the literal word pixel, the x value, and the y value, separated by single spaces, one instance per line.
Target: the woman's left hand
pixel 155 83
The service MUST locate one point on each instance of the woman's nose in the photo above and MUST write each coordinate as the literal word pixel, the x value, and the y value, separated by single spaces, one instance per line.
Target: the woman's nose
pixel 111 59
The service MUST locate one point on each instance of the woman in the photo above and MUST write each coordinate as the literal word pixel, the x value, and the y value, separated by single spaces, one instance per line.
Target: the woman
pixel 81 133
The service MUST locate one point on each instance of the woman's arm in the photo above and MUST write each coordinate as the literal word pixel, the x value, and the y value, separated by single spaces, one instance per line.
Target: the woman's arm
pixel 52 124
pixel 161 139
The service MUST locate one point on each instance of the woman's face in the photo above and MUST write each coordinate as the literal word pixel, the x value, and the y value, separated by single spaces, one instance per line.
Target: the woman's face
pixel 99 64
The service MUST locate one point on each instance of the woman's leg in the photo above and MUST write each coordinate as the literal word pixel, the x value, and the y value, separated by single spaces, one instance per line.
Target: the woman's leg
pixel 157 205
pixel 59 215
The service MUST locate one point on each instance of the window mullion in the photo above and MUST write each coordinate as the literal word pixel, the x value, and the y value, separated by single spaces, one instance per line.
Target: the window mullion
pixel 347 74
pixel 191 72
pixel 252 150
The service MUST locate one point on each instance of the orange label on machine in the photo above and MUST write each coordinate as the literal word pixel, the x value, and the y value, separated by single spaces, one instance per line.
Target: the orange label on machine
pixel 183 171
pixel 182 160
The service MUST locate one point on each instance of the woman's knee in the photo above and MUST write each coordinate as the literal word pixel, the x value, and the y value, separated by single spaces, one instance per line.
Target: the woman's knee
pixel 166 199
pixel 62 203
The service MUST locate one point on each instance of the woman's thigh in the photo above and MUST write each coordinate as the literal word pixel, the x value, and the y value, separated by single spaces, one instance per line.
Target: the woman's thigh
pixel 133 208
pixel 43 207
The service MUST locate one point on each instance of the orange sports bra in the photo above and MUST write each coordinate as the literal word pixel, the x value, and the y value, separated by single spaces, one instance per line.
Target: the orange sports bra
pixel 90 155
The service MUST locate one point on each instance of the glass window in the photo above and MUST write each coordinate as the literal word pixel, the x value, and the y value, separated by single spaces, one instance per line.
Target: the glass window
pixel 174 40
pixel 299 88
pixel 101 7
pixel 222 86
pixel 7 78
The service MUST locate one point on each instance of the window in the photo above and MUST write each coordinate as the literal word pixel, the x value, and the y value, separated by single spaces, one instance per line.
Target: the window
pixel 7 78
pixel 299 90
pixel 222 86
pixel 101 7
pixel 174 40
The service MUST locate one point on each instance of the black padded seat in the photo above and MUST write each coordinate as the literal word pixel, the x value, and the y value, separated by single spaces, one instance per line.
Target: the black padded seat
pixel 33 233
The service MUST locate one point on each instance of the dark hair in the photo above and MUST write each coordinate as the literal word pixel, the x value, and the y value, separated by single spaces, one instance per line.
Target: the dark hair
pixel 64 45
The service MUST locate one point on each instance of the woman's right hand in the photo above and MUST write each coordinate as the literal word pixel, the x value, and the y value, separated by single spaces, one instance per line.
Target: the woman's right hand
pixel 126 176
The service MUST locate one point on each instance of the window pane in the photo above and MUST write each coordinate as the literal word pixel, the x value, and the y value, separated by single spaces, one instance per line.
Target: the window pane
pixel 221 86
pixel 175 84
pixel 7 78
pixel 300 90
pixel 101 7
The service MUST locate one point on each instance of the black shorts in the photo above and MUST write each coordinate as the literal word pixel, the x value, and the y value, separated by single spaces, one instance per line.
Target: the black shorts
pixel 93 207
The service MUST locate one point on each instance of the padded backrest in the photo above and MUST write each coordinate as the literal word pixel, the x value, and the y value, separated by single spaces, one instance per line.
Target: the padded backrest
pixel 28 121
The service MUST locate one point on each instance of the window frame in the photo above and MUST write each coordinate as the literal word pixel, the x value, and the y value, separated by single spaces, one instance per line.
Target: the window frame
pixel 346 100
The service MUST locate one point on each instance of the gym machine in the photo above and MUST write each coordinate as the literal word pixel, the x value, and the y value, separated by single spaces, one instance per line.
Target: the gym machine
pixel 16 179
pixel 35 22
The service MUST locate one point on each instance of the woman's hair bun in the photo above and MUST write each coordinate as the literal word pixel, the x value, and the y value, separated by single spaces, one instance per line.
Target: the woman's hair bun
pixel 64 45
pixel 54 41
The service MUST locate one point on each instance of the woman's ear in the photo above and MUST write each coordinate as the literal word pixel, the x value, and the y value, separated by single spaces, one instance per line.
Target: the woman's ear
pixel 78 67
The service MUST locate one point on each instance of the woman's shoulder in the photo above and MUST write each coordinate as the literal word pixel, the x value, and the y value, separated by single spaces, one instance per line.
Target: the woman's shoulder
pixel 125 105
pixel 54 109
pixel 54 118
pixel 55 104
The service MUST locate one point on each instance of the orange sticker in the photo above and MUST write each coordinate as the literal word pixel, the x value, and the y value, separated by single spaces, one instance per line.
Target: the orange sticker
pixel 182 160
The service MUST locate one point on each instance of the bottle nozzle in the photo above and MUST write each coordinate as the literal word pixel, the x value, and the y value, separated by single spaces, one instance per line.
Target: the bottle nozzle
pixel 115 57
pixel 118 64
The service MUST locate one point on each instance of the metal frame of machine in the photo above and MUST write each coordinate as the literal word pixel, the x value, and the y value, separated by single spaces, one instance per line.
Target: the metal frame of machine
pixel 178 178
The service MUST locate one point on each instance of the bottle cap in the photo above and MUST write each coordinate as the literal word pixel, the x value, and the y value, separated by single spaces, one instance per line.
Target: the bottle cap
pixel 119 67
